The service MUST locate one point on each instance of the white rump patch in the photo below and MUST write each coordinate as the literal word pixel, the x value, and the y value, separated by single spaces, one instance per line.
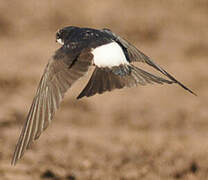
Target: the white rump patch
pixel 60 41
pixel 109 55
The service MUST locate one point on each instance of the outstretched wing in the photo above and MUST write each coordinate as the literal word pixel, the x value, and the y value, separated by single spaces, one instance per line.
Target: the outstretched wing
pixel 59 75
pixel 117 77
pixel 133 54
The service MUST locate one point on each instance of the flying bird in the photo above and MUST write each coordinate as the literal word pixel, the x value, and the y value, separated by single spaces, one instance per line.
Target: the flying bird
pixel 111 55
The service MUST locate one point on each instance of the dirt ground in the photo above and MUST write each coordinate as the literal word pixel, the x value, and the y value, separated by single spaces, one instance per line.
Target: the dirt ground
pixel 152 133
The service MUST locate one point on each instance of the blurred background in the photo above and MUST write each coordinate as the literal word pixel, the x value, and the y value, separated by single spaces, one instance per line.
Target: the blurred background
pixel 151 132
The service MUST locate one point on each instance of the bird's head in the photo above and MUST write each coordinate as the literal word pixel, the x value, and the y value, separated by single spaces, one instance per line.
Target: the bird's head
pixel 64 34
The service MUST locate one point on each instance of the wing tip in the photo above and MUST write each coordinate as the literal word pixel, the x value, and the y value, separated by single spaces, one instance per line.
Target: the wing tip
pixel 15 158
pixel 191 91
pixel 80 96
pixel 184 87
pixel 13 162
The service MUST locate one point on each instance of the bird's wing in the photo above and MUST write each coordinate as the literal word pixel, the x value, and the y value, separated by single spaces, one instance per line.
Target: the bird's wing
pixel 117 77
pixel 133 54
pixel 60 73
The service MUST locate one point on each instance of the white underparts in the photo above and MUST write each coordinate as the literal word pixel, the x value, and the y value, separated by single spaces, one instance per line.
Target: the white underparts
pixel 60 41
pixel 109 55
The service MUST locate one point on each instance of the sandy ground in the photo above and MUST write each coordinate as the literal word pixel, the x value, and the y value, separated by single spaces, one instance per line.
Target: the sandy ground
pixel 152 133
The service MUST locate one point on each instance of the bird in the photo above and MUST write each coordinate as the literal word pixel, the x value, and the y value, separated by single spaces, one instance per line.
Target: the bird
pixel 112 58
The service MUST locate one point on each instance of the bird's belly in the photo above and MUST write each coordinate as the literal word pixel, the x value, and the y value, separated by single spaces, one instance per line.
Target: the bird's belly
pixel 109 55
